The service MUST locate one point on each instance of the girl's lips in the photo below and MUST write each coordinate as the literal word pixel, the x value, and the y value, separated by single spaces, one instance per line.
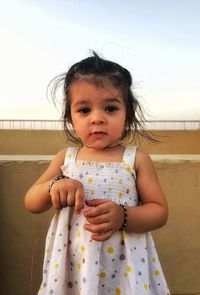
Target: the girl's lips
pixel 98 132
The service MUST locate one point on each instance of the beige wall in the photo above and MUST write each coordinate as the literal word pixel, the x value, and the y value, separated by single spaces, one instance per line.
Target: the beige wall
pixel 22 234
pixel 23 142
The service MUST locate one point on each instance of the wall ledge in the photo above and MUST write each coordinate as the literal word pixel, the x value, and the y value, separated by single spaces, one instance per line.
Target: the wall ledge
pixel 155 158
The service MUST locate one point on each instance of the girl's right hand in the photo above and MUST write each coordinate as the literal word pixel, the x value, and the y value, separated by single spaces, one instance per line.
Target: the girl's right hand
pixel 64 192
pixel 67 192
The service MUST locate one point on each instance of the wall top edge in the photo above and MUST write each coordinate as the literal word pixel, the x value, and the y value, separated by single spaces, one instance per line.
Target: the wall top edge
pixel 154 157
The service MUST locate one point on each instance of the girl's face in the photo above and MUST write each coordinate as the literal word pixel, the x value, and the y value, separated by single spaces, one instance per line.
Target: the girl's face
pixel 98 113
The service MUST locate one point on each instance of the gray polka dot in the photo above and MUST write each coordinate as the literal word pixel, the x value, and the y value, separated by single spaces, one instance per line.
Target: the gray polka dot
pixel 70 284
pixel 139 273
pixel 51 292
pixel 45 271
pixel 143 260
pixel 122 257
pixel 44 285
pixel 84 280
pixel 113 276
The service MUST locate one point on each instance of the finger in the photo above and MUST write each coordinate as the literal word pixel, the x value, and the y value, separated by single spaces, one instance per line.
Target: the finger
pixel 103 218
pixel 55 198
pixel 96 202
pixel 71 198
pixel 79 200
pixel 63 199
pixel 97 228
pixel 96 211
pixel 102 237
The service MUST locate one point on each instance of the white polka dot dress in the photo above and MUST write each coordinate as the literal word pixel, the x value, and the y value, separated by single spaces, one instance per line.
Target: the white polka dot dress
pixel 126 264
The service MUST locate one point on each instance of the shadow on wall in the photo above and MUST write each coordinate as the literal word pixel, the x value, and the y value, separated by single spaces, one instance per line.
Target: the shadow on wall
pixel 23 234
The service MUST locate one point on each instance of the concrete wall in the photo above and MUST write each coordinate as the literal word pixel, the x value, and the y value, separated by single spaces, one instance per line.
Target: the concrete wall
pixel 43 142
pixel 22 234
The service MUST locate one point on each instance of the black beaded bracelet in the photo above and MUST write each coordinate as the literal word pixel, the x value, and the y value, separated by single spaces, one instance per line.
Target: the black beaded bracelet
pixel 125 218
pixel 56 178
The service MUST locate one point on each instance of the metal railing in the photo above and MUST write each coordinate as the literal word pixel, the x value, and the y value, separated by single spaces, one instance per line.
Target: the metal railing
pixel 57 124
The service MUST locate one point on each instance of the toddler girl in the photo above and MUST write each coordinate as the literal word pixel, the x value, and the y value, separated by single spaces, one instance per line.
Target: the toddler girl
pixel 107 195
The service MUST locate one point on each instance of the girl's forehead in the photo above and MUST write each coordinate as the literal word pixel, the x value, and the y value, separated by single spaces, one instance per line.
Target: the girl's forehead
pixel 86 88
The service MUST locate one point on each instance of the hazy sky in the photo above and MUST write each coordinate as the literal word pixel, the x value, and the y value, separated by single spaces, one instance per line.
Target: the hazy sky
pixel 158 41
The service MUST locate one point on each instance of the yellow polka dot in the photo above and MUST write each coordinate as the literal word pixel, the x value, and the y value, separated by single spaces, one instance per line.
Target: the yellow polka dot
pixel 78 266
pixel 118 291
pixel 145 286
pixel 119 195
pixel 47 250
pixel 123 161
pixel 102 274
pixel 110 189
pixel 67 225
pixel 56 265
pixel 120 181
pixel 156 272
pixel 138 236
pixel 154 259
pixel 79 234
pixel 110 250
pixel 92 192
pixel 128 168
pixel 90 180
pixel 82 248
pixel 125 274
pixel 69 156
pixel 124 235
pixel 129 268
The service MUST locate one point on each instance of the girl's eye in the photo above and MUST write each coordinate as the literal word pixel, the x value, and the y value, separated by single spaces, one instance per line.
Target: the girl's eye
pixel 111 108
pixel 84 110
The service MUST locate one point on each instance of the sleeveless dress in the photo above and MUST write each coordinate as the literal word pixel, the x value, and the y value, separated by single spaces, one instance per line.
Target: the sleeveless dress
pixel 126 264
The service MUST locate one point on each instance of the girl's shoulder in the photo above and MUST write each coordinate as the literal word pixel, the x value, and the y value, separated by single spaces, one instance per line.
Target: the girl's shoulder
pixel 142 158
pixel 59 158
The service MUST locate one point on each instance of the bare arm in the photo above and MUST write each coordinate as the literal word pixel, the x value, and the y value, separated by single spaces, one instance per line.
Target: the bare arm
pixel 63 193
pixel 153 212
pixel 37 198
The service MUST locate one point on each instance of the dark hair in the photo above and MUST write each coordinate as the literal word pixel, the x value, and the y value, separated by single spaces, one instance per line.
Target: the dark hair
pixel 100 71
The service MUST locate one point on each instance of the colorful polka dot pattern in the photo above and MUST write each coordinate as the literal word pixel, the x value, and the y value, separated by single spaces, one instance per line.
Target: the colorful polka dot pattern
pixel 75 264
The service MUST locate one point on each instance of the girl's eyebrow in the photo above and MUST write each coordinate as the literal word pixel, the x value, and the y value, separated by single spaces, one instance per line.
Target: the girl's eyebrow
pixel 114 99
pixel 84 101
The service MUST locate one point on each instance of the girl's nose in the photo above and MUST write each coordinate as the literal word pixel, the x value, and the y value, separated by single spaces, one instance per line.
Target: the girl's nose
pixel 97 118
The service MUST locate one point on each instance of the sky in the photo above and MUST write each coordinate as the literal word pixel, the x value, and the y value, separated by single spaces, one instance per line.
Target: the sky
pixel 157 41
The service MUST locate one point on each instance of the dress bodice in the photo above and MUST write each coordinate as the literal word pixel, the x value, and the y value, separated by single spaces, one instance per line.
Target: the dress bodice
pixel 104 180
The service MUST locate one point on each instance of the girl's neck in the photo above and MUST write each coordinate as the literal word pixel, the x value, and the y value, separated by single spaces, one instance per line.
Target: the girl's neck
pixel 107 147
pixel 107 154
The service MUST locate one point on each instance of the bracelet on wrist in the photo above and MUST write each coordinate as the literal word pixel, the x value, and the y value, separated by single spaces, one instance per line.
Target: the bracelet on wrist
pixel 125 218
pixel 56 178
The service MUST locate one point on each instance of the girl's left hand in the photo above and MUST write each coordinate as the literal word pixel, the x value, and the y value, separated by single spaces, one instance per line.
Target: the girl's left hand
pixel 105 218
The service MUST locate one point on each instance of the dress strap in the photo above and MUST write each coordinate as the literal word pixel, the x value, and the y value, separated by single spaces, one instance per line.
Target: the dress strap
pixel 129 155
pixel 70 155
